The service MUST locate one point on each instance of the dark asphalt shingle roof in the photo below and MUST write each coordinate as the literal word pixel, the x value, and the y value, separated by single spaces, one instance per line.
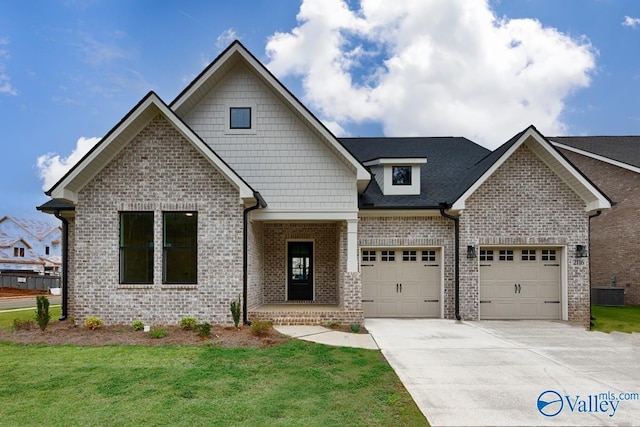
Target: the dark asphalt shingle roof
pixel 625 149
pixel 450 168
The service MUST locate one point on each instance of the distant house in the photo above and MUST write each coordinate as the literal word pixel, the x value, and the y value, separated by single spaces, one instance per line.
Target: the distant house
pixel 29 246
pixel 613 164
pixel 236 189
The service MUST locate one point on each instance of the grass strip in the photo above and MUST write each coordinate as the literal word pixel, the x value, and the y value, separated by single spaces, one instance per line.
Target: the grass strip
pixel 621 319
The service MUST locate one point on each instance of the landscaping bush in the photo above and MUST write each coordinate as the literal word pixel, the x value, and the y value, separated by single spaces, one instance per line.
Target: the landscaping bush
pixel 204 329
pixel 93 323
pixel 158 333
pixel 355 328
pixel 42 312
pixel 235 311
pixel 260 328
pixel 23 324
pixel 137 325
pixel 188 323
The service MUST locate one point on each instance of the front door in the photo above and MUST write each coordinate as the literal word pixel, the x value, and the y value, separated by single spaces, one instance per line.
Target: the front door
pixel 300 271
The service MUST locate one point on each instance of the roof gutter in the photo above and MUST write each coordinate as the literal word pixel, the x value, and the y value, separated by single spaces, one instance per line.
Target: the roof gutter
pixel 65 262
pixel 260 203
pixel 456 225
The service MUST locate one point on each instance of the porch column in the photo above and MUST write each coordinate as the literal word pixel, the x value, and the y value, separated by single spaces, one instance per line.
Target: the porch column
pixel 352 245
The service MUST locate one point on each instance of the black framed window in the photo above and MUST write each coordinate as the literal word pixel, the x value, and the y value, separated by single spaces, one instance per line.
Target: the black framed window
pixel 180 247
pixel 136 247
pixel 240 118
pixel 401 175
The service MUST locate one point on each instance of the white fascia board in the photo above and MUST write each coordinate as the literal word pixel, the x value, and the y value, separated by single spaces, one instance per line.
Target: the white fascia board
pixel 598 201
pixel 246 192
pixel 577 182
pixel 596 156
pixel 396 161
pixel 460 203
pixel 310 215
pixel 68 189
pixel 368 213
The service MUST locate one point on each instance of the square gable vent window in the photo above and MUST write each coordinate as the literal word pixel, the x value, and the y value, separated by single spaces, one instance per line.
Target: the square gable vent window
pixel 240 118
pixel 401 175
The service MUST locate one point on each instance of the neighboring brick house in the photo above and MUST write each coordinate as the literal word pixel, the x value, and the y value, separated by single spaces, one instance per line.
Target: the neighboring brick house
pixel 613 164
pixel 236 190
pixel 29 246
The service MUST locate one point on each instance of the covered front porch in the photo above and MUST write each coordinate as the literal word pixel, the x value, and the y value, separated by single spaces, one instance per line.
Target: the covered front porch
pixel 304 272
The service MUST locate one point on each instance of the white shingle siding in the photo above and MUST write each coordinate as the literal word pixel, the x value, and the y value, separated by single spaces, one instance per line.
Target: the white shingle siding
pixel 284 160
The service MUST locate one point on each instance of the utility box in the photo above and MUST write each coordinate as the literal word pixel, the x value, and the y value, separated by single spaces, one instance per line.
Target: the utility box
pixel 608 296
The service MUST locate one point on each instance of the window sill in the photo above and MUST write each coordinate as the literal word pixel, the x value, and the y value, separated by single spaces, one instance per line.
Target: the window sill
pixel 185 286
pixel 134 286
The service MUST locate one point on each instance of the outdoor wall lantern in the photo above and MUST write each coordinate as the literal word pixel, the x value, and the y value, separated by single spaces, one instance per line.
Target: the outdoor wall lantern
pixel 581 251
pixel 471 252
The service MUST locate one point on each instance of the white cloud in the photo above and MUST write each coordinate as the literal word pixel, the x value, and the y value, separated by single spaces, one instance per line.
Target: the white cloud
pixel 225 38
pixel 52 167
pixel 631 22
pixel 6 88
pixel 444 67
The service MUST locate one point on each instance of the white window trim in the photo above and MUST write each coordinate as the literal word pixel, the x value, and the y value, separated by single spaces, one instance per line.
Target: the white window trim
pixel 227 118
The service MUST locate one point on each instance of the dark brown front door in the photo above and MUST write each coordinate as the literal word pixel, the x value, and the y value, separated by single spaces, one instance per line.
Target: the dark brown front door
pixel 300 271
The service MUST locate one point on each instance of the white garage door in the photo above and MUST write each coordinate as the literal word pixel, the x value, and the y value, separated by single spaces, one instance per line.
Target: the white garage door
pixel 519 283
pixel 400 282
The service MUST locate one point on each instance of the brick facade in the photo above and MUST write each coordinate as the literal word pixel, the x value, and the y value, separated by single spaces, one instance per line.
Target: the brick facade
pixel 524 203
pixel 616 232
pixel 157 171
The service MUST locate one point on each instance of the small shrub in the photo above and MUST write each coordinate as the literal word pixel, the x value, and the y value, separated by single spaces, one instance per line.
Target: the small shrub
pixel 137 325
pixel 355 328
pixel 260 328
pixel 188 323
pixel 158 333
pixel 23 324
pixel 204 329
pixel 334 325
pixel 235 311
pixel 42 312
pixel 93 323
pixel 72 320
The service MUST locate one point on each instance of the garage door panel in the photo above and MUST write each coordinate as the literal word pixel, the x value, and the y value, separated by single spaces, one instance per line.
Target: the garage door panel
pixel 401 283
pixel 519 283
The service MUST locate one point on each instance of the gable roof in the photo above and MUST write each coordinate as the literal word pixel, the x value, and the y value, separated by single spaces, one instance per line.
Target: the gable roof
pixel 448 159
pixel 594 199
pixel 621 151
pixel 37 229
pixel 67 188
pixel 217 70
pixel 8 242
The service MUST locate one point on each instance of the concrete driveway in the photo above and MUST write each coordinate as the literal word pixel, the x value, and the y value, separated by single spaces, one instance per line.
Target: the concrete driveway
pixel 501 372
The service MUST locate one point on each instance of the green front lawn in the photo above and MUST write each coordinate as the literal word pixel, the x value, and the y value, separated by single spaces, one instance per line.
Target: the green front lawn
pixel 622 319
pixel 6 318
pixel 296 383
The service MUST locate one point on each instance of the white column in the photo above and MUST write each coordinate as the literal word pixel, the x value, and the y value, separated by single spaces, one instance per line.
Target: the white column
pixel 352 245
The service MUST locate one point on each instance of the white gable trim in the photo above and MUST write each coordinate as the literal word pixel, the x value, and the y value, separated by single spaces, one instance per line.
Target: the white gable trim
pixel 235 52
pixel 120 136
pixel 596 156
pixel 592 197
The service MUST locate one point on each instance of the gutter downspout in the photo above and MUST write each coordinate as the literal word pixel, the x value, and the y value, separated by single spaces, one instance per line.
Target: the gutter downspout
pixel 260 203
pixel 65 262
pixel 456 224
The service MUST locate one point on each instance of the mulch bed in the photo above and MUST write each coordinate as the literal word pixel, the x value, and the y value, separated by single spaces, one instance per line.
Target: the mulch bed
pixel 63 332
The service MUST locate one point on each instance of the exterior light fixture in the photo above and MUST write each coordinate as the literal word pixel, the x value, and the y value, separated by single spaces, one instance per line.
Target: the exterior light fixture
pixel 471 252
pixel 581 251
